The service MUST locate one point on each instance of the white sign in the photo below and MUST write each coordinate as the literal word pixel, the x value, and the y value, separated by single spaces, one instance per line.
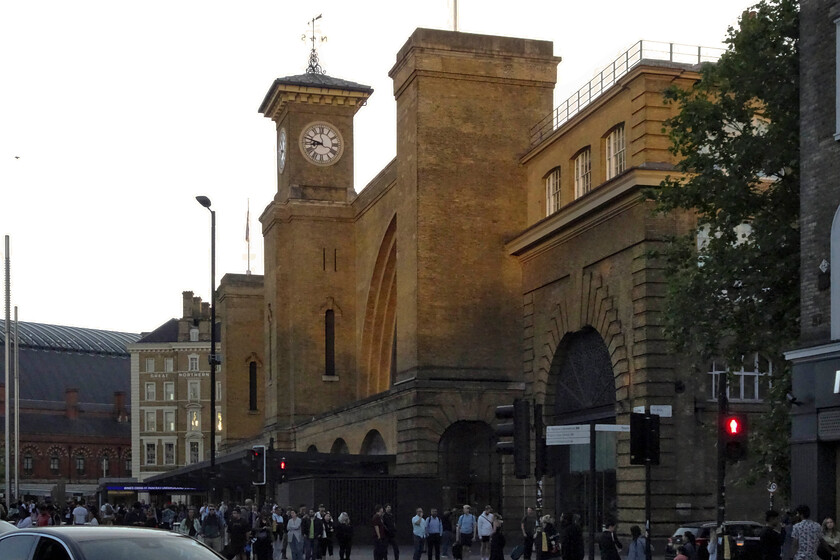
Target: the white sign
pixel 837 381
pixel 663 410
pixel 612 427
pixel 639 409
pixel 576 434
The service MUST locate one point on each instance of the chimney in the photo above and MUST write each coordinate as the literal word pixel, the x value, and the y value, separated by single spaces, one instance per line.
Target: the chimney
pixel 71 399
pixel 188 298
pixel 119 406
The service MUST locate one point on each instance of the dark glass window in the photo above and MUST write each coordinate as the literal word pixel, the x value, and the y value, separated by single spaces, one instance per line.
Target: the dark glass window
pixel 252 386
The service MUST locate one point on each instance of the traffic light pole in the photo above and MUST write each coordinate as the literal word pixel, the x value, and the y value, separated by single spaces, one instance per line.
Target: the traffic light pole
pixel 723 410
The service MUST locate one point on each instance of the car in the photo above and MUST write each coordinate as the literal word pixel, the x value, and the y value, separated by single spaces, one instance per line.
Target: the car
pixel 5 527
pixel 81 542
pixel 744 539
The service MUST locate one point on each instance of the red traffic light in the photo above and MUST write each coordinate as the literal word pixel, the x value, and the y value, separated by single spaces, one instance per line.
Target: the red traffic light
pixel 733 426
pixel 282 465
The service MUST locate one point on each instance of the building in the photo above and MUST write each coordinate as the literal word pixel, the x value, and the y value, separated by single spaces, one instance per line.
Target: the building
pixel 502 254
pixel 816 381
pixel 74 410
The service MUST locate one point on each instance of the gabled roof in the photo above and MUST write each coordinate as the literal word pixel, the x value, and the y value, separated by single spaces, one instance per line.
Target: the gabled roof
pixel 167 332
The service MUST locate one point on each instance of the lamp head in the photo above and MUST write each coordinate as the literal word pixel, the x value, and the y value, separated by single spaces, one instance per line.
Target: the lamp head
pixel 204 201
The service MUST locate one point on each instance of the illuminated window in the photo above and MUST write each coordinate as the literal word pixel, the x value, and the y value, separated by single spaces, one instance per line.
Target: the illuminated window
pixel 194 420
pixel 583 173
pixel 169 391
pixel 552 192
pixel 615 152
pixel 218 421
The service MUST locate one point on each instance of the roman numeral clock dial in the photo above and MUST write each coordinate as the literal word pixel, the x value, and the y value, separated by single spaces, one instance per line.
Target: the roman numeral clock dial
pixel 321 143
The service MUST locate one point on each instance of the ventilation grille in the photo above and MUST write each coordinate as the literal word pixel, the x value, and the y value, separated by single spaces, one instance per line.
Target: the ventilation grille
pixel 829 425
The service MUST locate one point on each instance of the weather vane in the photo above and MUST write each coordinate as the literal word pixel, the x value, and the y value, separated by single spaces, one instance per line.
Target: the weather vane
pixel 314 67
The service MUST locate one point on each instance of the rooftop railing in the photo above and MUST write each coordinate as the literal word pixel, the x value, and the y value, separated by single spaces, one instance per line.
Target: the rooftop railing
pixel 642 50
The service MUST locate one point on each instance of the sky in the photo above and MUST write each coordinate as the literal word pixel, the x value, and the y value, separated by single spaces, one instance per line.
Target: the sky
pixel 115 115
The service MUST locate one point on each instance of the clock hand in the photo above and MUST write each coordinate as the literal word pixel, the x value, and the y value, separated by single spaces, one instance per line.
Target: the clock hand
pixel 313 141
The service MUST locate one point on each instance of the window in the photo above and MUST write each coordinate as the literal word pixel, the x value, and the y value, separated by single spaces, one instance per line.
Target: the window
pixel 194 334
pixel 168 365
pixel 193 364
pixel 127 466
pixel 150 392
pixel 552 192
pixel 218 390
pixel 329 342
pixel 194 452
pixel 583 173
pixel 27 464
pixel 168 420
pixel 615 152
pixel 151 454
pixel 55 464
pixel 252 386
pixel 106 464
pixel 151 421
pixel 168 453
pixel 218 421
pixel 194 390
pixel 80 464
pixel 195 420
pixel 169 390
pixel 150 364
pixel 747 383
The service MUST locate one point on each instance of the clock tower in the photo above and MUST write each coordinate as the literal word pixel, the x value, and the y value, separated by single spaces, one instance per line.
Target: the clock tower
pixel 313 114
pixel 309 249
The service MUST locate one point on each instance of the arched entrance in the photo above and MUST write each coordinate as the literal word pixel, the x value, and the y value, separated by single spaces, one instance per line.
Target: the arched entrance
pixel 468 466
pixel 582 387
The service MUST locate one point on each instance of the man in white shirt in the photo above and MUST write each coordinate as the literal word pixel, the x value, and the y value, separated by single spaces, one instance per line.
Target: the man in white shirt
pixel 485 530
pixel 80 513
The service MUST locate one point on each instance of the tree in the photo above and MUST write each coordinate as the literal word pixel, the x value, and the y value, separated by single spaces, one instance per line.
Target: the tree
pixel 733 284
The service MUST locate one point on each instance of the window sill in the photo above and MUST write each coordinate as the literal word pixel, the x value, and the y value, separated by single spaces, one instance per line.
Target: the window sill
pixel 329 378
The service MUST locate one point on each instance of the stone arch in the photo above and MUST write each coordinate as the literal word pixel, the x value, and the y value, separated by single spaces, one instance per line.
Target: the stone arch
pixel 339 447
pixel 379 334
pixel 468 466
pixel 312 448
pixel 373 444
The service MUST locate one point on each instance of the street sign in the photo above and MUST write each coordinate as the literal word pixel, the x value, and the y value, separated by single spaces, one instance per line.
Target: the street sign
pixel 662 410
pixel 575 434
pixel 578 434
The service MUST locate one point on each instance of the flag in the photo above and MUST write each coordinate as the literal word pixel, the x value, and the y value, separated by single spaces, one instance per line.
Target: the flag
pixel 248 224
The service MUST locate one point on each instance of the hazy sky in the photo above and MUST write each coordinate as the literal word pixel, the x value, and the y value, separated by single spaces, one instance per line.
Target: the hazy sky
pixel 115 114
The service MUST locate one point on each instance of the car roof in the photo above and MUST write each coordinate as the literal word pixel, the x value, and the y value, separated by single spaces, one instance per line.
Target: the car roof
pixel 93 532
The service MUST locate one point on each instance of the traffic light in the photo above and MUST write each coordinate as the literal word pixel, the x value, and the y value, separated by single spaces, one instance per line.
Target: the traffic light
pixel 540 451
pixel 735 432
pixel 281 465
pixel 520 428
pixel 258 465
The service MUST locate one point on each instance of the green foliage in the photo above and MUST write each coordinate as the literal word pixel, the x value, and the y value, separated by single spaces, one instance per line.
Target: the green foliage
pixel 737 140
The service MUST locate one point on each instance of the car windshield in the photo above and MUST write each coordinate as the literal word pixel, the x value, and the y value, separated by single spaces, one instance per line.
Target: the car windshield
pixel 146 547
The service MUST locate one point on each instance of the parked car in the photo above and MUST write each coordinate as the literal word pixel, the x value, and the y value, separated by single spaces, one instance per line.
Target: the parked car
pixel 744 539
pixel 5 527
pixel 101 543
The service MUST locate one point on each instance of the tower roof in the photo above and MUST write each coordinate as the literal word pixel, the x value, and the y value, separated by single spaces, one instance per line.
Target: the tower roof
pixel 313 88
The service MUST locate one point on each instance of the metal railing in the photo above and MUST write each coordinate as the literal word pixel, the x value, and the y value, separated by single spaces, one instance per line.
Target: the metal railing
pixel 642 50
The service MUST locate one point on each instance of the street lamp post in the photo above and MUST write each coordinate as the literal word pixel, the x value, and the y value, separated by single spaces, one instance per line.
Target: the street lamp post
pixel 204 201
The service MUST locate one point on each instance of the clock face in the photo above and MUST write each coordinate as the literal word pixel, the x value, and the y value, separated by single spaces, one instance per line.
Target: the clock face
pixel 321 143
pixel 281 150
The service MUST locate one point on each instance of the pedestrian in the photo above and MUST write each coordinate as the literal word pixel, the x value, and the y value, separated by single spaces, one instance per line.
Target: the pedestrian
pixel 107 513
pixel 831 538
pixel 571 538
pixel 434 534
pixel 325 546
pixel 380 543
pixel 527 526
pixel 239 530
pixel 190 526
pixel 485 531
pixel 465 531
pixel 344 536
pixel 772 537
pixel 448 532
pixel 80 513
pixel 609 544
pixel 690 544
pixel 806 535
pixel 391 531
pixel 636 548
pixel 294 537
pixel 497 540
pixel 262 537
pixel 212 529
pixel 418 529
pixel 681 553
pixel 279 529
